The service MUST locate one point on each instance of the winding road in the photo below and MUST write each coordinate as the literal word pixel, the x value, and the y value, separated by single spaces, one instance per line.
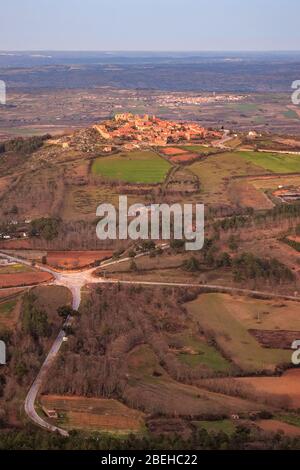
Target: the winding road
pixel 74 281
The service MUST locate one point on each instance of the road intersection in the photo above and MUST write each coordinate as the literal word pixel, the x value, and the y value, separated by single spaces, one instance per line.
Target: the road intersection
pixel 75 281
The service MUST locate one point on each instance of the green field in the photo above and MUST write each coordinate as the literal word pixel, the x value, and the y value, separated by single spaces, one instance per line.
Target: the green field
pixel 230 333
pixel 7 307
pixel 289 418
pixel 291 114
pixel 245 107
pixel 277 163
pixel 215 170
pixel 14 269
pixel 134 167
pixel 197 353
pixel 224 425
pixel 157 390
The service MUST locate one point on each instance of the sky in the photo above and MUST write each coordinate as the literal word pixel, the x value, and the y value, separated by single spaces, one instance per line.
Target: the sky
pixel 150 25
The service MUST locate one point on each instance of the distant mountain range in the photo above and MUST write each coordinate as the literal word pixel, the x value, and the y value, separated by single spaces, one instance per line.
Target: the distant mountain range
pixel 210 71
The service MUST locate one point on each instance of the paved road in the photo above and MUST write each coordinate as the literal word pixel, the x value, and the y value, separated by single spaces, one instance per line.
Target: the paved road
pixel 220 143
pixel 35 387
pixel 75 281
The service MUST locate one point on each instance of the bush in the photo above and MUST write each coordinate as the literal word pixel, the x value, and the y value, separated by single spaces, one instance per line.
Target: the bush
pixel 177 245
pixel 46 228
pixel 26 146
pixel 191 265
pixel 133 266
pixel 247 266
pixel 34 321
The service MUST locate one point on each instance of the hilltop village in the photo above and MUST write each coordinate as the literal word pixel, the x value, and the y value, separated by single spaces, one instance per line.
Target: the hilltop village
pixel 130 132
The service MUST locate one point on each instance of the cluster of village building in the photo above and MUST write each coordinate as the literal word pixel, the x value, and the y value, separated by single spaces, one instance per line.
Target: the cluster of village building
pixel 134 131
pixel 173 100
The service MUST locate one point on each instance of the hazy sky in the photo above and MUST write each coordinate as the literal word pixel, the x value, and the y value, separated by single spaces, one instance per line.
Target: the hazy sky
pixel 150 25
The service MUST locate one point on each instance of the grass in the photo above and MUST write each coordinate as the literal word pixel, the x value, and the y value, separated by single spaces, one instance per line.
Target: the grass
pixel 9 312
pixel 245 107
pixel 134 167
pixel 263 314
pixel 270 184
pixel 6 308
pixel 289 418
pixel 14 269
pixel 234 142
pixel 224 425
pixel 276 163
pixel 292 243
pixel 85 200
pixel 196 353
pixel 214 172
pixel 291 114
pixel 158 391
pixel 232 336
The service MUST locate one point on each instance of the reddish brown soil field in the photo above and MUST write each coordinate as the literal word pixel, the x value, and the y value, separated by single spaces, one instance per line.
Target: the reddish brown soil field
pixel 247 195
pixel 19 244
pixel 76 259
pixel 172 151
pixel 288 384
pixel 186 157
pixel 277 339
pixel 294 239
pixel 9 293
pixel 272 425
pixel 23 279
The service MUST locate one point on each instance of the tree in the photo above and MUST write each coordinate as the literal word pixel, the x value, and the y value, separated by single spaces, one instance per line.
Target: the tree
pixel 177 245
pixel 68 330
pixel 133 266
pixel 66 310
pixel 224 261
pixel 117 253
pixel 233 243
pixel 46 228
pixel 34 320
pixel 147 245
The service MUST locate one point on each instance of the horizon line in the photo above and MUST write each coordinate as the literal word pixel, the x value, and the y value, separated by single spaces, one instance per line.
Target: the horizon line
pixel 113 51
